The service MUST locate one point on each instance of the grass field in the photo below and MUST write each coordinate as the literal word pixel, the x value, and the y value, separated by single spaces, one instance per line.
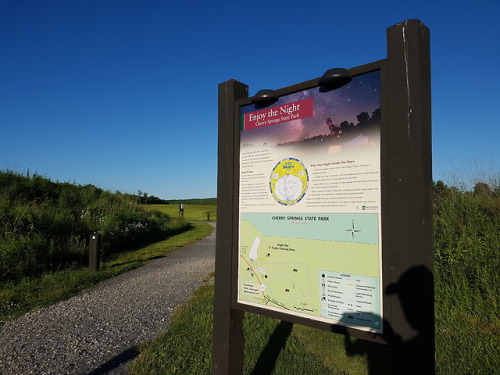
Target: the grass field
pixel 465 344
pixel 192 212
pixel 271 347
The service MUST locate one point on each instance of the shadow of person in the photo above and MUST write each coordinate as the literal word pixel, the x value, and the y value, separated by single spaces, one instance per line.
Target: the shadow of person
pixel 415 354
pixel 378 356
pixel 267 360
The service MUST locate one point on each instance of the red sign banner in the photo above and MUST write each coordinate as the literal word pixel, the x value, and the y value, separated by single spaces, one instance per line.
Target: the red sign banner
pixel 278 114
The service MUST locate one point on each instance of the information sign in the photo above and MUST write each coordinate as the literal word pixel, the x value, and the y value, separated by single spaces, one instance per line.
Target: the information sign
pixel 310 205
pixel 325 216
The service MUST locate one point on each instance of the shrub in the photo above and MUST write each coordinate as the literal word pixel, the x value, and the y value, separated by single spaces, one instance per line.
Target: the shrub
pixel 45 226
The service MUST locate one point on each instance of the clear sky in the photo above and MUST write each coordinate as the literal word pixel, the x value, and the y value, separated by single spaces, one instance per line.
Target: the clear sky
pixel 123 94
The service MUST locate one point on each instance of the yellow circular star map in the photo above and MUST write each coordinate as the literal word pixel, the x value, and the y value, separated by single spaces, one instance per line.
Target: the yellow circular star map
pixel 289 180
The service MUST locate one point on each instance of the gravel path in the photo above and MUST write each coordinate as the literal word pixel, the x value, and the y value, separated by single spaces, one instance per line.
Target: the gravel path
pixel 97 332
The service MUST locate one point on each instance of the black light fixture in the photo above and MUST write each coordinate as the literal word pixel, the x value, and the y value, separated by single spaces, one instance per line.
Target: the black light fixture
pixel 335 78
pixel 265 97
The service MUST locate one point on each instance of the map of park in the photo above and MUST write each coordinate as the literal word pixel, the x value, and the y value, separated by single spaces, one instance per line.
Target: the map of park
pixel 334 280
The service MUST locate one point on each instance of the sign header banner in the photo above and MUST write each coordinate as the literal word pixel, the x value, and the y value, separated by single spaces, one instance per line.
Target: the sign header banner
pixel 297 110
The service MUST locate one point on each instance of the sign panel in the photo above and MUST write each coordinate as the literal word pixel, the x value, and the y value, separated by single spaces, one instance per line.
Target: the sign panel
pixel 310 205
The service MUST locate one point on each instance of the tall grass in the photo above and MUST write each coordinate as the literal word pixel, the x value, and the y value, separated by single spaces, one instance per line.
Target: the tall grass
pixel 467 264
pixel 45 226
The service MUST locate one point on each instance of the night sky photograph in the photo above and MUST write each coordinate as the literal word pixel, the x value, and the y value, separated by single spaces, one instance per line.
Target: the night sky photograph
pixel 342 105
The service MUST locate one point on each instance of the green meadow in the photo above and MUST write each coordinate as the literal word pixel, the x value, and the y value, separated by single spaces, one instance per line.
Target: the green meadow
pixel 192 212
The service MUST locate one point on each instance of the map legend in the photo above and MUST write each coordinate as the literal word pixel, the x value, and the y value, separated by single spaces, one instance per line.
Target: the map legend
pixel 352 299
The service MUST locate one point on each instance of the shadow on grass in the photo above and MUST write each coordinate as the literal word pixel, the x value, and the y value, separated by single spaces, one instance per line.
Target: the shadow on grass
pixel 414 356
pixel 112 249
pixel 267 360
pixel 115 362
pixel 135 261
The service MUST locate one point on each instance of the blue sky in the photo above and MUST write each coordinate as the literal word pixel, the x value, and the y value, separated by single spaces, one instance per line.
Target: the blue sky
pixel 123 94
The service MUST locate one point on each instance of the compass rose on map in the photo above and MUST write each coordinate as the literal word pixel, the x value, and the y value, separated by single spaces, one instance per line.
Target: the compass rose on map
pixel 288 182
pixel 353 230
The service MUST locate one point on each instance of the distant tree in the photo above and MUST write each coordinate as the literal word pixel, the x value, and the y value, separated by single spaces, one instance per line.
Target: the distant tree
pixel 440 189
pixel 203 201
pixel 482 190
pixel 376 116
pixel 152 200
pixel 363 117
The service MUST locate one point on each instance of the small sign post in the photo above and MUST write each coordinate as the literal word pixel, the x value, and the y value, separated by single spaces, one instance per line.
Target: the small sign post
pixel 326 219
pixel 94 252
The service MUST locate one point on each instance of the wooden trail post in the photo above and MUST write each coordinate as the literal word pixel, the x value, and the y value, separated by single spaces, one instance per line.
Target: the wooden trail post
pixel 94 252
pixel 408 196
pixel 227 351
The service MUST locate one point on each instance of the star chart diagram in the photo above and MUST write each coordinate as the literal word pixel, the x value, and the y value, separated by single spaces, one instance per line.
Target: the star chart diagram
pixel 288 182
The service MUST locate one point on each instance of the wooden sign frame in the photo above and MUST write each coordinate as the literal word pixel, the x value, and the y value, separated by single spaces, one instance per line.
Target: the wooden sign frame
pixel 406 209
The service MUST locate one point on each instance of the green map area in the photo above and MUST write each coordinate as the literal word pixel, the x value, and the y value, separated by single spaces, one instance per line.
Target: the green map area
pixel 309 272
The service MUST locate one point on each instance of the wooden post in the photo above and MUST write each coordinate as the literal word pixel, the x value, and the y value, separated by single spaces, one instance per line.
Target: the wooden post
pixel 228 342
pixel 409 197
pixel 94 252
